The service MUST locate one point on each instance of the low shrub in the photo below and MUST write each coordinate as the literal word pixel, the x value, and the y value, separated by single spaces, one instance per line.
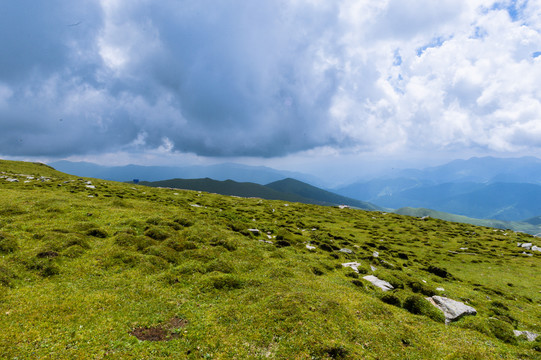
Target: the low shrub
pixel 163 252
pixel 391 299
pixel 223 282
pixel 220 265
pixel 420 287
pixel 6 276
pixel 179 244
pixel 157 233
pixel 183 222
pixel 227 244
pixel 441 272
pixel 502 331
pixel 99 233
pixel 8 244
pixel 45 266
pixel 418 305
pixel 73 251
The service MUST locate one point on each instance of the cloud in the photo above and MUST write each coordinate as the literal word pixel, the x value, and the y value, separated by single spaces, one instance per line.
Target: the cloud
pixel 268 78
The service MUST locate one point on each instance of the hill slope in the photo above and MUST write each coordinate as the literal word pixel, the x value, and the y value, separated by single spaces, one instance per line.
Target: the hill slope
pixel 94 269
pixel 292 186
pixel 531 226
pixel 287 190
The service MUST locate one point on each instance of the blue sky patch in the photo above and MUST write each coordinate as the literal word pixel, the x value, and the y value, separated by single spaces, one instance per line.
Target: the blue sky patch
pixel 436 42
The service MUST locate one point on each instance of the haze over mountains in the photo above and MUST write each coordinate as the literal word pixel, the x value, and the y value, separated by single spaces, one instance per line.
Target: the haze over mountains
pixel 507 189
pixel 485 188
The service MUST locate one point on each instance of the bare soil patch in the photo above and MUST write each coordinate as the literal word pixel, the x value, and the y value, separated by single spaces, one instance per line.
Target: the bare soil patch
pixel 162 332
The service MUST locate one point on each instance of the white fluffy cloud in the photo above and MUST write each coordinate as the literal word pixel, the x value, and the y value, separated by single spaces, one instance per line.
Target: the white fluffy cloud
pixel 270 78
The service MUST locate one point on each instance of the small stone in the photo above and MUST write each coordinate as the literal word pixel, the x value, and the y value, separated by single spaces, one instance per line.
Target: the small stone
pixel 440 289
pixel 354 265
pixel 254 231
pixel 373 268
pixel 382 284
pixel 90 186
pixel 530 336
pixel 310 247
pixel 12 180
pixel 536 248
pixel 346 251
pixel 527 246
pixel 375 254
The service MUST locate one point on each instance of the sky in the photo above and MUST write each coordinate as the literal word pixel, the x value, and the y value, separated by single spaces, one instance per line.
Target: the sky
pixel 328 87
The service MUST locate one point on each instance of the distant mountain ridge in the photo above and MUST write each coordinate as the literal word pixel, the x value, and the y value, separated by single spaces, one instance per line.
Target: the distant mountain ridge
pixel 226 171
pixel 483 188
pixel 286 189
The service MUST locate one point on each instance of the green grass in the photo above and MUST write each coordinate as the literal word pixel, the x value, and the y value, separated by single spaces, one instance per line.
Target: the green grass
pixel 80 268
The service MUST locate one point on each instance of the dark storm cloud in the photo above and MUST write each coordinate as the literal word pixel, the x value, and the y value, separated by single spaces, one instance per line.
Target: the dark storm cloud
pixel 212 78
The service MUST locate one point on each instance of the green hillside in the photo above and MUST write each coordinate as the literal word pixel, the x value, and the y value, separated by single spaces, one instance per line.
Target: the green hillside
pixel 530 226
pixel 93 269
pixel 287 190
pixel 227 187
pixel 292 186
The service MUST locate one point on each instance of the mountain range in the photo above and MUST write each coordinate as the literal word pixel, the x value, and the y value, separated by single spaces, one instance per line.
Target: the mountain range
pixel 485 188
pixel 225 171
pixel 286 189
pixel 479 188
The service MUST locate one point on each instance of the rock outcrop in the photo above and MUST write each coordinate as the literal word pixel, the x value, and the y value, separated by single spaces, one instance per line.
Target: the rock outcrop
pixel 530 336
pixel 382 284
pixel 452 309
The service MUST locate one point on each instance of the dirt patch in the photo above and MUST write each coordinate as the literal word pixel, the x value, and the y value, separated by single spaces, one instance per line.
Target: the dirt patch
pixel 162 332
pixel 47 254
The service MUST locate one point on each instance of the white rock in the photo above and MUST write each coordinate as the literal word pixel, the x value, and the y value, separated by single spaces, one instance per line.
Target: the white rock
pixel 90 186
pixel 530 336
pixel 527 245
pixel 255 231
pixel 310 247
pixel 195 205
pixel 382 284
pixel 354 265
pixel 452 309
pixel 373 268
pixel 536 248
pixel 375 254
pixel 347 251
pixel 12 180
pixel 440 289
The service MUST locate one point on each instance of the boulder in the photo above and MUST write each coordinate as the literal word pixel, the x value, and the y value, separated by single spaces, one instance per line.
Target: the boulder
pixel 527 246
pixel 530 336
pixel 382 284
pixel 536 248
pixel 452 309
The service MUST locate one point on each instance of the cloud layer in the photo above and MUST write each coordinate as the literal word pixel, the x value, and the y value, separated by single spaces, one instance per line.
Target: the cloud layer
pixel 269 78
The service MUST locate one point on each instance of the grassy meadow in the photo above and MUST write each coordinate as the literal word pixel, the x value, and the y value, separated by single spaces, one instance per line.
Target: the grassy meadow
pixel 93 269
